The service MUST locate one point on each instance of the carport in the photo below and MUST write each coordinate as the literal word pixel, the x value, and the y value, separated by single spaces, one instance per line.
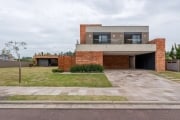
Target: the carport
pixel 123 56
pixel 46 60
pixel 145 61
pixel 129 60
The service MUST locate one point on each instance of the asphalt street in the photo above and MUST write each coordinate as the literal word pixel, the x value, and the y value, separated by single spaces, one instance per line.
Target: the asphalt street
pixel 88 114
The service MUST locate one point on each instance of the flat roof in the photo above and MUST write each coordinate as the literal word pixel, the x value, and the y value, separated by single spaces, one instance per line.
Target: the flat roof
pixel 117 28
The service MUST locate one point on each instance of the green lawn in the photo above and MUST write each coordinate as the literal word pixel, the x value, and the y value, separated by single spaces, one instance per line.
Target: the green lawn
pixel 67 98
pixel 43 76
pixel 175 76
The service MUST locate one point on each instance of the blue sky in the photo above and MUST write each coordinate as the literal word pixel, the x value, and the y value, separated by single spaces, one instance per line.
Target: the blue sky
pixel 53 25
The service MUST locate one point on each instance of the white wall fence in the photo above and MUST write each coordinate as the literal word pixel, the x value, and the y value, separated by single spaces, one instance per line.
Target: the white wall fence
pixel 173 65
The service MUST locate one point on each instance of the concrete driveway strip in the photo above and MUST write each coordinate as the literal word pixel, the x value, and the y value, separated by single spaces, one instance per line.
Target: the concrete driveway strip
pixel 143 85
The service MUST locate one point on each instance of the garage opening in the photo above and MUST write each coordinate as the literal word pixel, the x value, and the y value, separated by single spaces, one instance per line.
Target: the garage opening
pixel 142 61
pixel 47 62
pixel 145 61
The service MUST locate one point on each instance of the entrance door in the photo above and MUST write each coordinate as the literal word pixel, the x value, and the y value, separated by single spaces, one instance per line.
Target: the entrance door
pixel 43 62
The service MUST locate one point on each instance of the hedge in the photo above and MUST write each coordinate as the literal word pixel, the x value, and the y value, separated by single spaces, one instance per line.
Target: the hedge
pixel 57 70
pixel 87 68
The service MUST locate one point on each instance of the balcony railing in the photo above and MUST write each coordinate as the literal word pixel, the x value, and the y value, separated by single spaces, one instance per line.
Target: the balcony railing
pixel 97 41
pixel 133 41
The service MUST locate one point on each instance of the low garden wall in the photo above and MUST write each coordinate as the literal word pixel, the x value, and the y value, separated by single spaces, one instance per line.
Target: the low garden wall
pixel 173 65
pixel 66 62
pixel 4 64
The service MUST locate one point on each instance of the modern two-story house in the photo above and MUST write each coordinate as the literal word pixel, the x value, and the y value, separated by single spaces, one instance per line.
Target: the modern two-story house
pixel 119 47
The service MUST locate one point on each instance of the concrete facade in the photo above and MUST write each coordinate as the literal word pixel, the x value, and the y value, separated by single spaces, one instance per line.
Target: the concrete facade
pixel 117 47
pixel 117 38
pixel 98 28
pixel 117 32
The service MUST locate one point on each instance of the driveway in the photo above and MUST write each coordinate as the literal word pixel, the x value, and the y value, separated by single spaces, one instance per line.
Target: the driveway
pixel 143 85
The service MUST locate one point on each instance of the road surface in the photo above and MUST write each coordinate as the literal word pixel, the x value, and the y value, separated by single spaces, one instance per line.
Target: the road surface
pixel 88 114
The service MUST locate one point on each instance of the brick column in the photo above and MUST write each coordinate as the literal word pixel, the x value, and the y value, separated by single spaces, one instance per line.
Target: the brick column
pixel 65 62
pixel 160 54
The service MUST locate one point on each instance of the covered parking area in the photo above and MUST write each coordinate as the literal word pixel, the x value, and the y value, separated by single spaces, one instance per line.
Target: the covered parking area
pixel 124 56
pixel 46 60
pixel 129 60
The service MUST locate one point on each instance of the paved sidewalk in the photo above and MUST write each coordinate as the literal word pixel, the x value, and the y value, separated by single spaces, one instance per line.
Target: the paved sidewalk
pixel 4 91
pixel 90 104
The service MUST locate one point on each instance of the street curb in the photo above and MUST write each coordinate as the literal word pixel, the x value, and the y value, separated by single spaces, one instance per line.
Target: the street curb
pixel 89 105
pixel 89 102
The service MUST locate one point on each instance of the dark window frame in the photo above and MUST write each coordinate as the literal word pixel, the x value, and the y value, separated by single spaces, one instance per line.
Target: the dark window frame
pixel 97 35
pixel 131 39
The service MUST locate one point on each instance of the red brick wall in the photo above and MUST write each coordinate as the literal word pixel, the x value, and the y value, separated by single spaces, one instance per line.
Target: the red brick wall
pixel 83 32
pixel 65 62
pixel 160 54
pixel 86 57
pixel 116 61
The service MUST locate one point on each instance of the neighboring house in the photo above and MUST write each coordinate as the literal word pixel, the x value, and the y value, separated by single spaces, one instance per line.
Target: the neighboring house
pixel 118 47
pixel 6 57
pixel 46 60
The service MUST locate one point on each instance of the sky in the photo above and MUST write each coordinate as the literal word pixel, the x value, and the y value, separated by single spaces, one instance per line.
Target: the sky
pixel 53 25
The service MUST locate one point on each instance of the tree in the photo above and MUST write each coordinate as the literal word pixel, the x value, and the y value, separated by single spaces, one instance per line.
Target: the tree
pixel 177 48
pixel 48 53
pixel 16 47
pixel 167 55
pixel 27 59
pixel 172 53
pixel 5 52
pixel 68 53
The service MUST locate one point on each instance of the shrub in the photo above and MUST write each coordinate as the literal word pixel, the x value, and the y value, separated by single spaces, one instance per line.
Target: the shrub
pixel 57 70
pixel 30 65
pixel 87 68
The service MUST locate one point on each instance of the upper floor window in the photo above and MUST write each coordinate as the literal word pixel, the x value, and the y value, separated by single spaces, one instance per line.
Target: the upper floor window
pixel 101 37
pixel 133 38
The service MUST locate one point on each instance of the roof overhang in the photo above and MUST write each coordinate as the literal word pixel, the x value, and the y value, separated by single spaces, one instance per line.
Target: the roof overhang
pixel 117 29
pixel 118 49
pixel 46 57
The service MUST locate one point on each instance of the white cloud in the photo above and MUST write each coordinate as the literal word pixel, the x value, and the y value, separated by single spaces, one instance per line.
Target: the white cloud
pixel 54 25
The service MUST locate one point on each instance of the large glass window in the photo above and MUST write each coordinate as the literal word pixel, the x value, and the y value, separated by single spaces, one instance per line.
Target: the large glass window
pixel 133 38
pixel 101 38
